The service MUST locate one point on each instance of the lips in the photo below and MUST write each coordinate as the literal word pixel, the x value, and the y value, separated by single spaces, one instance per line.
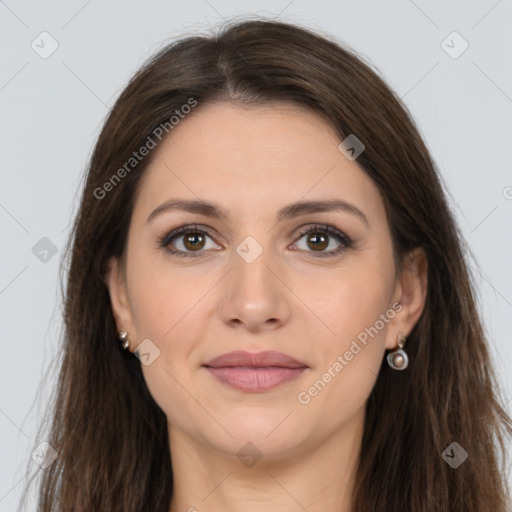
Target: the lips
pixel 258 359
pixel 255 372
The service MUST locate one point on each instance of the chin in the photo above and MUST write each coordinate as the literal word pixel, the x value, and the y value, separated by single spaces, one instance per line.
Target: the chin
pixel 272 431
pixel 252 448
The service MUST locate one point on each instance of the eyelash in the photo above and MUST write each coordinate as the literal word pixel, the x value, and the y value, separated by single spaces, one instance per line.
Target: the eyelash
pixel 346 242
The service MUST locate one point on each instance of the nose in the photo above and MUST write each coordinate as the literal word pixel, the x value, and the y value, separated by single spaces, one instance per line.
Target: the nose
pixel 256 297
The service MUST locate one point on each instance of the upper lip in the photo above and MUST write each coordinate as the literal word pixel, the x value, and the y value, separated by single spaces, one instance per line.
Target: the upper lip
pixel 258 359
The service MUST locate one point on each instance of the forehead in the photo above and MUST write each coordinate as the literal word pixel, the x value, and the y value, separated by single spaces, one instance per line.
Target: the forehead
pixel 254 158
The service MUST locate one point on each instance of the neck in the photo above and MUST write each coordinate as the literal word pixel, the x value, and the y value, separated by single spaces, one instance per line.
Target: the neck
pixel 316 478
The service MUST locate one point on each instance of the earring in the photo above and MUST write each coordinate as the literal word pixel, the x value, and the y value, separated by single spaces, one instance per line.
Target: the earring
pixel 398 359
pixel 123 336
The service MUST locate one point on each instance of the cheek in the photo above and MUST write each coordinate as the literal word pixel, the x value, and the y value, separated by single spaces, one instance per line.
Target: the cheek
pixel 163 309
pixel 160 299
pixel 350 360
pixel 357 308
pixel 168 308
pixel 350 300
pixel 357 346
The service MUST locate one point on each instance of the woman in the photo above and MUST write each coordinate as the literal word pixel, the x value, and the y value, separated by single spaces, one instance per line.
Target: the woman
pixel 267 303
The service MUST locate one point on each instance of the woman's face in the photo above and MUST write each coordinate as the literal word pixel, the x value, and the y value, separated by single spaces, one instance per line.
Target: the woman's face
pixel 250 279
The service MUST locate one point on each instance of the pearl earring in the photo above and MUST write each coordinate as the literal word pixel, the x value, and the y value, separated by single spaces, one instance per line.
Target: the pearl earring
pixel 398 359
pixel 123 336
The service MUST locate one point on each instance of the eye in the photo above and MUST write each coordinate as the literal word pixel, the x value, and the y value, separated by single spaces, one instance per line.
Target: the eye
pixel 319 239
pixel 190 240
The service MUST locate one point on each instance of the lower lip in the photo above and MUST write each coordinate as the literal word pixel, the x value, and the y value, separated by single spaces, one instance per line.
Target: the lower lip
pixel 255 379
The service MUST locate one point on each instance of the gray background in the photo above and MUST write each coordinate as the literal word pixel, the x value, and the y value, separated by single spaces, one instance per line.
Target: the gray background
pixel 52 109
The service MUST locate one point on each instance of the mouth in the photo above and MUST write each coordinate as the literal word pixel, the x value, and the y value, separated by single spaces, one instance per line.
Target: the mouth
pixel 255 372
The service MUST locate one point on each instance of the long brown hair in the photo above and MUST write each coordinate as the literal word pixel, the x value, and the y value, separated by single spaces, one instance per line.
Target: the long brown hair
pixel 110 435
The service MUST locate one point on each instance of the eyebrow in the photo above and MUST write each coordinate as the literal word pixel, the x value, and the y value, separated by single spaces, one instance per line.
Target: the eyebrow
pixel 289 211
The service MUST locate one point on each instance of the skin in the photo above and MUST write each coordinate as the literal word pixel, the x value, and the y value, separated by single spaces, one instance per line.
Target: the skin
pixel 253 161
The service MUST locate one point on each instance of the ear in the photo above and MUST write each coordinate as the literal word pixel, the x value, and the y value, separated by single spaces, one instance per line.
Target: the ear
pixel 115 279
pixel 411 293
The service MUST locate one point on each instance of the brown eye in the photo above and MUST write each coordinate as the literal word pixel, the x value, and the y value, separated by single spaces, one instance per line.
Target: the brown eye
pixel 187 240
pixel 193 241
pixel 319 239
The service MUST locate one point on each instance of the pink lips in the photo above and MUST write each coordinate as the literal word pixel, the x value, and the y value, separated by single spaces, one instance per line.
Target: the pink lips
pixel 255 372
